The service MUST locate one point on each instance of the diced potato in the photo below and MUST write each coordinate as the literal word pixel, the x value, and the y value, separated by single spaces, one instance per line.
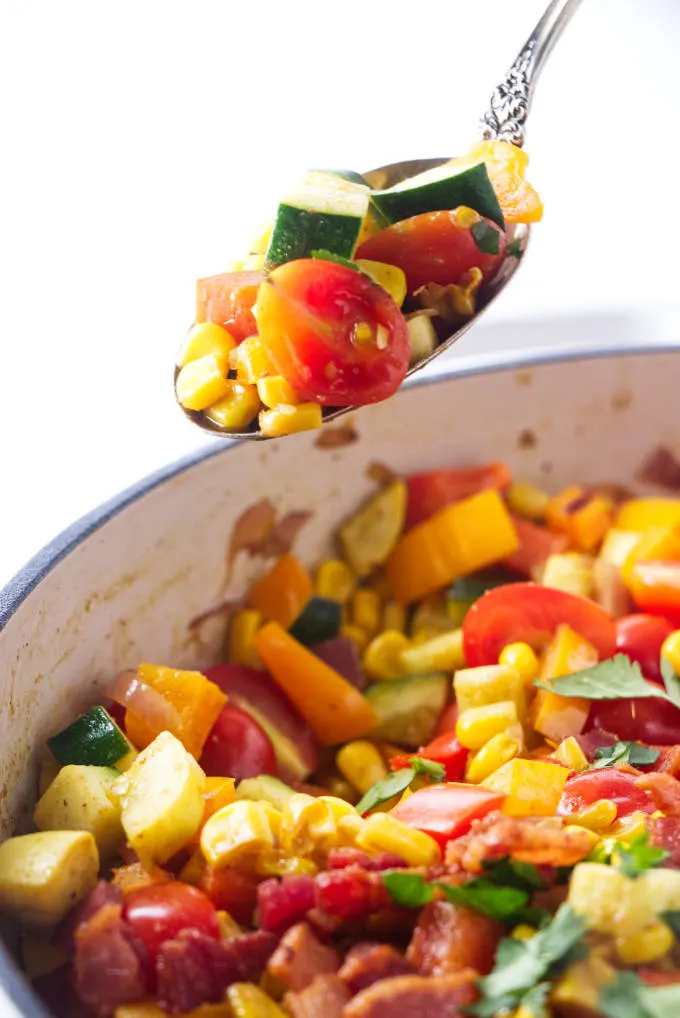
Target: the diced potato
pixel 369 536
pixel 162 799
pixel 43 875
pixel 609 901
pixel 80 799
pixel 477 687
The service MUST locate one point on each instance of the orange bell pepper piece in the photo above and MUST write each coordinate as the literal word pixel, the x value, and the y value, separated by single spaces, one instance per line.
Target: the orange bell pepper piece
pixel 334 709
pixel 656 544
pixel 283 592
pixel 218 792
pixel 642 513
pixel 585 518
pixel 507 165
pixel 557 717
pixel 464 537
pixel 196 700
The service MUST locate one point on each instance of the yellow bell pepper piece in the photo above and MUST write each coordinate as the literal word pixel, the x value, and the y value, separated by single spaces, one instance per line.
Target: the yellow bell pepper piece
pixel 335 710
pixel 641 513
pixel 487 684
pixel 283 592
pixel 506 165
pixel 286 419
pixel 242 628
pixel 201 383
pixel 217 793
pixel 657 544
pixel 531 787
pixel 585 518
pixel 558 717
pixel 460 539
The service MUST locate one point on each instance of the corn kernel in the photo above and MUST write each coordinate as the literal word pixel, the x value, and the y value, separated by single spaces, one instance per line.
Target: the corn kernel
pixel 361 763
pixel 274 389
pixel 242 629
pixel 366 608
pixel 207 338
pixel 228 926
pixel 286 420
pixel 310 824
pixel 630 827
pixel 282 864
pixel 238 407
pixel 252 363
pixel 443 653
pixel 599 816
pixel 201 383
pixel 477 725
pixel 356 634
pixel 383 833
pixel 571 755
pixel 570 571
pixel 499 750
pixel 523 932
pixel 349 829
pixel 424 635
pixel 393 617
pixel 390 277
pixel 671 650
pixel 648 945
pixel 335 580
pixel 521 657
pixel 527 500
pixel 239 832
pixel 382 657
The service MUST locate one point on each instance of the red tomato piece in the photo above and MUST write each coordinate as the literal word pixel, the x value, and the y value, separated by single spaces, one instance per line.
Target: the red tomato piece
pixel 641 637
pixel 433 248
pixel 337 337
pixel 536 545
pixel 228 300
pixel 232 890
pixel 447 811
pixel 665 833
pixel 529 613
pixel 430 492
pixel 655 587
pixel 160 911
pixel 637 719
pixel 446 750
pixel 608 783
pixel 447 721
pixel 237 747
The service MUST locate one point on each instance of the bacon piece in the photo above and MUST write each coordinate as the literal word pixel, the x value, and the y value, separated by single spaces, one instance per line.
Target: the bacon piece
pixel 103 893
pixel 300 957
pixel 664 832
pixel 450 938
pixel 341 858
pixel 325 997
pixel 668 761
pixel 664 790
pixel 282 903
pixel 367 963
pixel 424 996
pixel 522 839
pixel 109 965
pixel 350 893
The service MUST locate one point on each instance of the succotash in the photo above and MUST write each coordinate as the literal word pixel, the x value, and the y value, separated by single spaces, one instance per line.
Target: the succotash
pixel 436 775
pixel 346 287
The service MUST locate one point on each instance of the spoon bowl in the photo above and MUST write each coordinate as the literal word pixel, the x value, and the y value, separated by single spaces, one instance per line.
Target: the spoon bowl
pixel 504 120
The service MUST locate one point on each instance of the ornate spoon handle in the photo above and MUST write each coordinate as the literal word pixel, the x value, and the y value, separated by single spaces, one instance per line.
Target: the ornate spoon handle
pixel 510 102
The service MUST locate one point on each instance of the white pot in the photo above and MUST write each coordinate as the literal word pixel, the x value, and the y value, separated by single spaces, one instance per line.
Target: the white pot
pixel 121 585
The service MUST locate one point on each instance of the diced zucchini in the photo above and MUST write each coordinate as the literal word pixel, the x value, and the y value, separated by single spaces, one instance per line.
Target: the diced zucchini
pixel 93 738
pixel 408 708
pixel 470 588
pixel 43 875
pixel 265 788
pixel 370 535
pixel 444 187
pixel 162 799
pixel 324 212
pixel 422 337
pixel 80 799
pixel 319 620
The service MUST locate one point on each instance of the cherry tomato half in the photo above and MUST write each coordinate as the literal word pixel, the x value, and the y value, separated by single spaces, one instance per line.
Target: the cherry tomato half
pixel 337 337
pixel 435 247
pixel 637 719
pixel 608 783
pixel 447 811
pixel 530 613
pixel 160 911
pixel 641 637
pixel 237 747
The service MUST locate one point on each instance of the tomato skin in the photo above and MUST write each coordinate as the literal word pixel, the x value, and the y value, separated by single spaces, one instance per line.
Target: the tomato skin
pixel 536 545
pixel 655 587
pixel 232 890
pixel 448 720
pixel 227 300
pixel 237 747
pixel 608 783
pixel 637 719
pixel 307 314
pixel 432 248
pixel 530 613
pixel 445 749
pixel 160 911
pixel 641 637
pixel 429 492
pixel 447 811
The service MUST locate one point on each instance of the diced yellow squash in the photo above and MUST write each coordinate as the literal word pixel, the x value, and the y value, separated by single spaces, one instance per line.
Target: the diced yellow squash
pixel 369 536
pixel 531 787
pixel 43 875
pixel 443 653
pixel 80 799
pixel 609 901
pixel 249 1001
pixel 422 337
pixel 239 832
pixel 242 628
pixel 237 408
pixel 286 419
pixel 618 545
pixel 207 338
pixel 162 799
pixel 201 383
pixel 572 571
pixel 477 687
pixel 640 513
pixel 390 277
pixel 662 886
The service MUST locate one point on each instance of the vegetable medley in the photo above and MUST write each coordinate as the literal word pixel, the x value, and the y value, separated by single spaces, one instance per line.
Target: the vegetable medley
pixel 438 776
pixel 347 287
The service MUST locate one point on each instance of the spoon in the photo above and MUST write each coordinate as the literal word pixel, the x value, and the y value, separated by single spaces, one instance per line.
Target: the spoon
pixel 504 120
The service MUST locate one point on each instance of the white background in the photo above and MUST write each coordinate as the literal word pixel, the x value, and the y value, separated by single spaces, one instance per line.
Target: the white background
pixel 142 142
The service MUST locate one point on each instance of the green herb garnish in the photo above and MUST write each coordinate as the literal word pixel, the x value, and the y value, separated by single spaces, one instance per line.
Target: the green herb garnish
pixel 515 249
pixel 633 859
pixel 628 997
pixel 410 890
pixel 485 237
pixel 633 753
pixel 670 680
pixel 672 919
pixel 434 770
pixel 393 784
pixel 610 680
pixel 328 256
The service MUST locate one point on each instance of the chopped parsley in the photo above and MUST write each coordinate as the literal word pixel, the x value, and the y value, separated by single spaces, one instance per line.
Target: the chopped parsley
pixel 628 997
pixel 610 680
pixel 633 753
pixel 485 237
pixel 515 249
pixel 393 784
pixel 633 859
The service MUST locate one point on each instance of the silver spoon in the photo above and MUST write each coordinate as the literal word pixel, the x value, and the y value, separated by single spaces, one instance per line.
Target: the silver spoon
pixel 504 120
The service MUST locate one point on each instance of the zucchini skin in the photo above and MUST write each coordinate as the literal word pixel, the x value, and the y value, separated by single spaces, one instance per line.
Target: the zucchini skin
pixel 471 187
pixel 298 232
pixel 319 620
pixel 93 738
